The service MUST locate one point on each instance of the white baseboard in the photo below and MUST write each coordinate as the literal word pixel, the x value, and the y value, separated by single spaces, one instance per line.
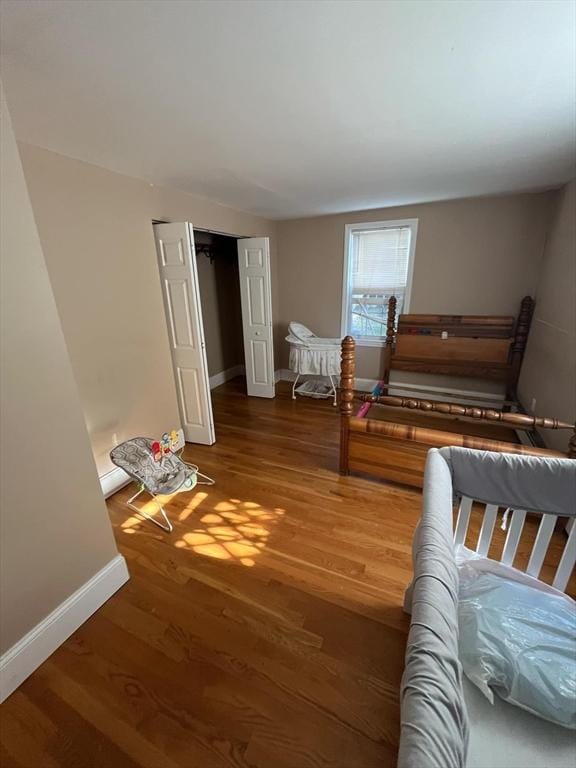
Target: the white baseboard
pixel 365 385
pixel 112 481
pixel 34 648
pixel 283 374
pixel 224 376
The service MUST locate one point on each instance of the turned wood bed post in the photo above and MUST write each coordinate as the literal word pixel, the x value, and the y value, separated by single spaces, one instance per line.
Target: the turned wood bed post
pixel 572 445
pixel 389 347
pixel 347 369
pixel 519 345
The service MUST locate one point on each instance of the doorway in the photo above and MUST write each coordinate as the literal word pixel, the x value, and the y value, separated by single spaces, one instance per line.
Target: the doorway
pixel 216 291
pixel 219 282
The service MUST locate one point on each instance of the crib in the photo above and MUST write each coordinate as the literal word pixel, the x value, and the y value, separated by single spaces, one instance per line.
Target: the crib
pixel 446 722
pixel 312 355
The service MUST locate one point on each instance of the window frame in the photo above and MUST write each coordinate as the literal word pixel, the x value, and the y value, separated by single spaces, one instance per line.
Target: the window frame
pixel 349 230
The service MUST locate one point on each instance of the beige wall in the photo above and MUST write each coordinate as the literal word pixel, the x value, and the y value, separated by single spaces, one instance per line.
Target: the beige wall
pixel 96 231
pixel 472 256
pixel 55 531
pixel 549 370
pixel 221 307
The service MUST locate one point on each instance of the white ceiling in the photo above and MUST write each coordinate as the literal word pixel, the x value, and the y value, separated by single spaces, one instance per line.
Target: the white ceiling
pixel 288 108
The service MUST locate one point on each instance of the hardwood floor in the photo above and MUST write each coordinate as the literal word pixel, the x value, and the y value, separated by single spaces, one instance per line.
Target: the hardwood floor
pixel 266 631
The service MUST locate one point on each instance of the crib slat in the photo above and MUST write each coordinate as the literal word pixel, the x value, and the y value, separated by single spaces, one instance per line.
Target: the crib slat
pixel 487 529
pixel 513 536
pixel 567 562
pixel 540 547
pixel 463 520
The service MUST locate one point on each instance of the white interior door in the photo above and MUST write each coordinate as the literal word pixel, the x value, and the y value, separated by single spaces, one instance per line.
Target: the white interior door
pixel 181 294
pixel 256 295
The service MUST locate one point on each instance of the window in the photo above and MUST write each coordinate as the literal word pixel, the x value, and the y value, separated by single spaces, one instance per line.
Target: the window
pixel 378 261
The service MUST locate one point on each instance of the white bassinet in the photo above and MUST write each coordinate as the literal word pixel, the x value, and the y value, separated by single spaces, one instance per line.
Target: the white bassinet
pixel 312 355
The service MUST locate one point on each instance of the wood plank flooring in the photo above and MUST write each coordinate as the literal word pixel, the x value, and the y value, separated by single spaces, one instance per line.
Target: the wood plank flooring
pixel 265 632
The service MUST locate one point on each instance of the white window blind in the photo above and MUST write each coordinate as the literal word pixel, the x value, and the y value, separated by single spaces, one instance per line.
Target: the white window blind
pixel 378 267
pixel 380 261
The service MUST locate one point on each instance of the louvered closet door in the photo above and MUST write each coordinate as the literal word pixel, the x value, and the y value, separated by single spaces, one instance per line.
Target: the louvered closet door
pixel 256 295
pixel 180 291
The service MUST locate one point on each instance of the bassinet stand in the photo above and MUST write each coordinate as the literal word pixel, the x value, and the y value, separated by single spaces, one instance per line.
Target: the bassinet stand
pixel 333 392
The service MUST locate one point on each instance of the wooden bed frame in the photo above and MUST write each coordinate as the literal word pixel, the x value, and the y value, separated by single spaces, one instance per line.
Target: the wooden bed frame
pixel 487 347
pixel 476 346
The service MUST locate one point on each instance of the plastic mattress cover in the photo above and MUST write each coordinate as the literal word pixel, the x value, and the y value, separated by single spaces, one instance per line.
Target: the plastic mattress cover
pixel 517 638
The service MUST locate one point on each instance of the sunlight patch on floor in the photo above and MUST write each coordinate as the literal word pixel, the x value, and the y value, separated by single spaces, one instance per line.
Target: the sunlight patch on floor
pixel 232 530
pixel 129 525
pixel 235 530
pixel 196 501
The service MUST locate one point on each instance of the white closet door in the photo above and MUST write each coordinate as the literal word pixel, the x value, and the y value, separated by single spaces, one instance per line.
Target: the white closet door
pixel 180 291
pixel 256 295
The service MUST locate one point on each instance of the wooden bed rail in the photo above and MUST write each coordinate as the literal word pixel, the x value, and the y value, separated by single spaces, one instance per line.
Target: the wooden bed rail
pixel 436 438
pixel 514 420
pixel 397 451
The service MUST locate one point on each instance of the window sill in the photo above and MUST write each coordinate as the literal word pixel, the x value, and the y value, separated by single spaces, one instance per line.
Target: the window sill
pixel 370 343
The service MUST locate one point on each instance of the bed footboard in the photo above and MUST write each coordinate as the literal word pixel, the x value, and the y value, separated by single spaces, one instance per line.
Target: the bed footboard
pixel 397 451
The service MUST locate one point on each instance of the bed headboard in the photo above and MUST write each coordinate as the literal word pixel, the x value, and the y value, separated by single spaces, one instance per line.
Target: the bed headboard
pixel 481 346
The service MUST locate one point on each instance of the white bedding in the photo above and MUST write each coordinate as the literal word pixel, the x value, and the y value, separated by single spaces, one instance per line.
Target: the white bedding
pixel 505 736
pixel 317 359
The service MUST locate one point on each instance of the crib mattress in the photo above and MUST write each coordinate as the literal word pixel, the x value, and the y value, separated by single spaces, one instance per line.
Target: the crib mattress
pixel 505 736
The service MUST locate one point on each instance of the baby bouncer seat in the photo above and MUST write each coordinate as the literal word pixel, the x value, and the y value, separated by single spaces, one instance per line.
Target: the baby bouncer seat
pixel 161 476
